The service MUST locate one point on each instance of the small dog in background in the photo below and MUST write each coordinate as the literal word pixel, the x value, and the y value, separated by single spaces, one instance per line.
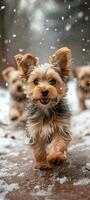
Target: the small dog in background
pixel 48 113
pixel 82 75
pixel 18 98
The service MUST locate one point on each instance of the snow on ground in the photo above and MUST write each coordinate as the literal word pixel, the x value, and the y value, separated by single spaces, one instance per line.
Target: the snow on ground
pixel 4 106
pixel 84 181
pixel 80 121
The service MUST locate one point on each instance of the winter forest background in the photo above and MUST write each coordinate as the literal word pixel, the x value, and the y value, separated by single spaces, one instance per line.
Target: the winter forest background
pixel 41 26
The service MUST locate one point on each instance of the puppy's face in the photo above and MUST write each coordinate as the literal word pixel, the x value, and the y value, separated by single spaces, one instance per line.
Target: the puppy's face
pixel 45 84
pixel 15 85
pixel 83 78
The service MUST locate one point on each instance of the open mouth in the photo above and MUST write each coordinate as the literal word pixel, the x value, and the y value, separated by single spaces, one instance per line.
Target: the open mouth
pixel 44 101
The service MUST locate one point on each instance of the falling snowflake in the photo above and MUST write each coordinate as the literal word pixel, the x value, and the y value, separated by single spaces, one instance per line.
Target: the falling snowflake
pixel 68 27
pixel 88 40
pixel 58 40
pixel 6 41
pixel 82 30
pixel 83 49
pixel 6 84
pixel 52 47
pixel 14 21
pixel 87 18
pixel 55 29
pixel 46 20
pixel 21 50
pixel 14 35
pixel 7 50
pixel 80 14
pixel 70 16
pixel 76 20
pixel 9 41
pixel 2 8
pixel 3 60
pixel 47 29
pixel 62 18
pixel 69 6
pixel 43 39
pixel 14 10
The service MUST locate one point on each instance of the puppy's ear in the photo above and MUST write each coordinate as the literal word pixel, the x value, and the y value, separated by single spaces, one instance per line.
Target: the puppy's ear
pixel 25 63
pixel 62 60
pixel 76 72
pixel 6 73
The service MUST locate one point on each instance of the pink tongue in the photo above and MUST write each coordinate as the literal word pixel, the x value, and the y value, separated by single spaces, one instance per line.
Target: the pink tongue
pixel 44 101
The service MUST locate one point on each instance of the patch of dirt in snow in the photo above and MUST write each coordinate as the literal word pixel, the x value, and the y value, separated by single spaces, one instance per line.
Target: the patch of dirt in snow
pixel 18 179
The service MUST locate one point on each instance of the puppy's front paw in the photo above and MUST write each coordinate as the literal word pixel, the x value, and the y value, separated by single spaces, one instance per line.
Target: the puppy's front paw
pixel 56 158
pixel 14 115
pixel 42 165
pixel 13 118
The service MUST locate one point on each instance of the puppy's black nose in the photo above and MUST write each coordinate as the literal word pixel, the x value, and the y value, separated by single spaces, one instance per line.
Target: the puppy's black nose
pixel 19 88
pixel 88 83
pixel 44 93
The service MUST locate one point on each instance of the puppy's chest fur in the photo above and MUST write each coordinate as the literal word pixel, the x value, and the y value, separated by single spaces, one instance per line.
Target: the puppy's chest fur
pixel 45 124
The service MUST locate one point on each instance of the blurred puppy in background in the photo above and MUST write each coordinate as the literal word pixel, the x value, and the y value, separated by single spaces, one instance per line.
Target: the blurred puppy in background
pixel 18 98
pixel 82 75
pixel 48 113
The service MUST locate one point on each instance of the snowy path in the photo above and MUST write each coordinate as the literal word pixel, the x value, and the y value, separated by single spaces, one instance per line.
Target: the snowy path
pixel 18 179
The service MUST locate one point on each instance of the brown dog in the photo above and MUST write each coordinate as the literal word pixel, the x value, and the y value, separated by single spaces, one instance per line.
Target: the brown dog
pixel 48 112
pixel 18 98
pixel 82 75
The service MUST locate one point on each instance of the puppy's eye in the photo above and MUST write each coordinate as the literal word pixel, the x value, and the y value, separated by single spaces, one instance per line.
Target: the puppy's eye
pixel 14 81
pixel 36 82
pixel 52 81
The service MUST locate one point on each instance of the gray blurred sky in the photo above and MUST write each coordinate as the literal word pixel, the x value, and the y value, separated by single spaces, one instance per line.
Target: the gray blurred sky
pixel 41 27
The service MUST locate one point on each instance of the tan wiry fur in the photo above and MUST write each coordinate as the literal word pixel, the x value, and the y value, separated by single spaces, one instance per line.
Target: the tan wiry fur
pixel 82 75
pixel 17 111
pixel 48 115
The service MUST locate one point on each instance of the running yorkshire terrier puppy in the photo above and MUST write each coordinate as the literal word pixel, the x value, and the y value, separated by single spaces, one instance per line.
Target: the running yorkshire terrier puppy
pixel 48 114
pixel 82 75
pixel 18 98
